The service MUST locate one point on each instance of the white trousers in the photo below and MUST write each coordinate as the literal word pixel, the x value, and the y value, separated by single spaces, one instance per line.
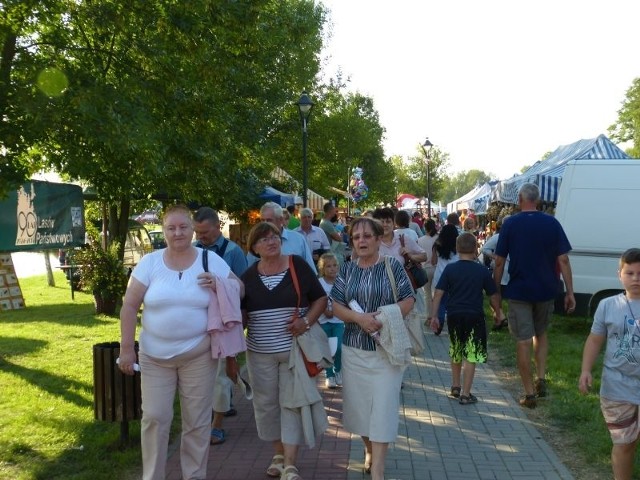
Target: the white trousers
pixel 193 375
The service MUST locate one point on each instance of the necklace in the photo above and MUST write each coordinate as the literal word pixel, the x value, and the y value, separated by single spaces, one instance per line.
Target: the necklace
pixel 633 317
pixel 264 270
pixel 271 281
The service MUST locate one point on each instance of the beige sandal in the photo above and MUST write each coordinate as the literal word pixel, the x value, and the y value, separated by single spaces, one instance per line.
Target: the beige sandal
pixel 276 467
pixel 290 472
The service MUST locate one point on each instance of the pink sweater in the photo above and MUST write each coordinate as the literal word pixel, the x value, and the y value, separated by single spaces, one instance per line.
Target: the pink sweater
pixel 225 319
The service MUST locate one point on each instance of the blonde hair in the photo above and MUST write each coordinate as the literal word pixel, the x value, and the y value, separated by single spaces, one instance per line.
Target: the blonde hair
pixel 179 208
pixel 469 223
pixel 323 259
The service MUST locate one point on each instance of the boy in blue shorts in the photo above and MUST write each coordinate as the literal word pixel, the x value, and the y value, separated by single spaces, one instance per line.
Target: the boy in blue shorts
pixel 464 282
pixel 617 322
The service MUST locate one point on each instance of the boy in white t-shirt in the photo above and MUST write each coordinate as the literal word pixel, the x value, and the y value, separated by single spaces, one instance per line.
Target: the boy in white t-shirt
pixel 617 323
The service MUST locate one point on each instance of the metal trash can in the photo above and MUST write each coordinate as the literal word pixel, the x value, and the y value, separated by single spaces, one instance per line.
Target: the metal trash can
pixel 116 397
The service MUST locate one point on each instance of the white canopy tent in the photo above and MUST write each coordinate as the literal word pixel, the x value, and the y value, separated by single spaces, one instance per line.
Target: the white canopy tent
pixel 468 200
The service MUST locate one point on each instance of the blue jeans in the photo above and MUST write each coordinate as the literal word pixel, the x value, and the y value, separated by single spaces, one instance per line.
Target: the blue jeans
pixel 334 330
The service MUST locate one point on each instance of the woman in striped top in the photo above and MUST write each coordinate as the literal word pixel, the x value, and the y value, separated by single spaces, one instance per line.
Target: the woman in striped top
pixel 274 316
pixel 371 385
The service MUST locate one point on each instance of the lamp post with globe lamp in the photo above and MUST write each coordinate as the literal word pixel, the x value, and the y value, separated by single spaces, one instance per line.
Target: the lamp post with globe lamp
pixel 304 108
pixel 426 148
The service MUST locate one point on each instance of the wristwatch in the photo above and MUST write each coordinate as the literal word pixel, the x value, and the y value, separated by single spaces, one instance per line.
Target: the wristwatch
pixel 306 322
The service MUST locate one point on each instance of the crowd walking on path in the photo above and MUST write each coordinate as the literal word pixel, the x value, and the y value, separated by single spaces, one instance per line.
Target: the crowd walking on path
pixel 389 409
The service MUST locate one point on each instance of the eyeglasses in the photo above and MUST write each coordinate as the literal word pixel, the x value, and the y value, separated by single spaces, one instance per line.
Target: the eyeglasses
pixel 269 239
pixel 366 237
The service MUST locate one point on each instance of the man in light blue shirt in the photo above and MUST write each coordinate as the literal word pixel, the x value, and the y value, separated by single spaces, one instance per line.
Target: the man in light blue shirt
pixel 293 243
pixel 315 236
pixel 206 224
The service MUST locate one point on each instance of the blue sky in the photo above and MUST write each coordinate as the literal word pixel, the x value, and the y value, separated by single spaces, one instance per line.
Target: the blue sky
pixel 496 84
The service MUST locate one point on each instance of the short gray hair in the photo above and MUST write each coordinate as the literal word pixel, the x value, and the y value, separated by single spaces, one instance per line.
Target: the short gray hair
pixel 277 209
pixel 529 192
pixel 306 212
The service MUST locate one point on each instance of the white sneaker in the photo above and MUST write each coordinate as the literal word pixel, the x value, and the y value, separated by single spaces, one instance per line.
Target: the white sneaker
pixel 331 382
pixel 339 379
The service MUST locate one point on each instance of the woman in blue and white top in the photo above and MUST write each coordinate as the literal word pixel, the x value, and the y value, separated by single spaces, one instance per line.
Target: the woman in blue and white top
pixel 371 385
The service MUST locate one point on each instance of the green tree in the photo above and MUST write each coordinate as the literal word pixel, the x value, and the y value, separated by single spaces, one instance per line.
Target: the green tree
pixel 344 132
pixel 410 175
pixel 21 107
pixel 627 128
pixel 165 97
pixel 462 183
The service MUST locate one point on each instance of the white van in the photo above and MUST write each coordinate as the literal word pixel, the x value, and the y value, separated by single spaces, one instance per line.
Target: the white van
pixel 596 206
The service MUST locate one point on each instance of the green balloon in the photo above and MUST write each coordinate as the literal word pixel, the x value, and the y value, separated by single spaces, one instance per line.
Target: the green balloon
pixel 52 82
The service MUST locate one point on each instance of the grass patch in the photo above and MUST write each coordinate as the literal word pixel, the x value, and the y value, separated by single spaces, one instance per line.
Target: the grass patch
pixel 46 372
pixel 571 422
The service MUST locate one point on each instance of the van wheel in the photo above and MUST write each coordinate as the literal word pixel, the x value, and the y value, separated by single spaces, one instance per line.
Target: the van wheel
pixel 598 297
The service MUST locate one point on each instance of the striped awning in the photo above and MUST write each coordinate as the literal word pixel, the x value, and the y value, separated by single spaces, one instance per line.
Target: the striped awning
pixel 314 201
pixel 547 174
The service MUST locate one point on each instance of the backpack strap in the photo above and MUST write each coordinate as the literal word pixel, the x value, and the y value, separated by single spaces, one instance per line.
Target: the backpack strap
pixel 220 251
pixel 205 259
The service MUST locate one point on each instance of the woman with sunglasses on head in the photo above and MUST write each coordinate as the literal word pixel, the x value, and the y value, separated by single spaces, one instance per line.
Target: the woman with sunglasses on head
pixel 371 383
pixel 275 314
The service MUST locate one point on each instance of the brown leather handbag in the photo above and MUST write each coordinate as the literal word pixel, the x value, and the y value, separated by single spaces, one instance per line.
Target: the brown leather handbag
pixel 312 368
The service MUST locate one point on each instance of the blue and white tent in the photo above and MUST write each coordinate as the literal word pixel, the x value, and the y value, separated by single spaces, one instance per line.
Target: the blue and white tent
pixel 547 174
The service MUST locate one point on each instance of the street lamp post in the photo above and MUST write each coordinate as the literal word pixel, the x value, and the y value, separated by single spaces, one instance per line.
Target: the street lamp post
pixel 426 148
pixel 304 108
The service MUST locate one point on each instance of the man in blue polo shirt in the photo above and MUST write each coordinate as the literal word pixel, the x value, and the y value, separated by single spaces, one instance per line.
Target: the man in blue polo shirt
pixel 538 249
pixel 206 224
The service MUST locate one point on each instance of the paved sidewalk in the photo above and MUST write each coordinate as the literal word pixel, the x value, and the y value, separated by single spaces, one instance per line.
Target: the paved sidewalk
pixel 438 438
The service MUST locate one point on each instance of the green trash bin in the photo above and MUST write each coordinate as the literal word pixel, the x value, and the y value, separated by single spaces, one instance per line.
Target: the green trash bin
pixel 116 397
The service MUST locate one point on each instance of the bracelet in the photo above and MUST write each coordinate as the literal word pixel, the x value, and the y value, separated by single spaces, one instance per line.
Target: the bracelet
pixel 306 322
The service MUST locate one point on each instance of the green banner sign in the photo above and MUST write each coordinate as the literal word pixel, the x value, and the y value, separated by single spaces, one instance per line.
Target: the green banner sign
pixel 42 216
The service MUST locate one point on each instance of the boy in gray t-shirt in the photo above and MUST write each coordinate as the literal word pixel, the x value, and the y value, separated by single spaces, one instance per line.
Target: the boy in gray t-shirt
pixel 617 322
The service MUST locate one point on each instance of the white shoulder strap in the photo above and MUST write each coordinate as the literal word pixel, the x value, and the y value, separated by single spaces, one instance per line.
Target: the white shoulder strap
pixel 392 279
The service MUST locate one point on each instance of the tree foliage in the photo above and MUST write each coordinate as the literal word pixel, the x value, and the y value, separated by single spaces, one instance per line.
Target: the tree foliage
pixel 344 132
pixel 627 128
pixel 161 97
pixel 462 183
pixel 411 174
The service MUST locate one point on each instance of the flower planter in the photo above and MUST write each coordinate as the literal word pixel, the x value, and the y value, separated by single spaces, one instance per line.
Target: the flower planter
pixel 105 306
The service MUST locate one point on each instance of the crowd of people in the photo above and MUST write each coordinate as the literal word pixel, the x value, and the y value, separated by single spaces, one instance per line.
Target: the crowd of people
pixel 306 280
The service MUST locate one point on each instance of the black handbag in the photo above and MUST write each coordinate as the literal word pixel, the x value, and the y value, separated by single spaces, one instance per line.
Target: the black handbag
pixel 417 275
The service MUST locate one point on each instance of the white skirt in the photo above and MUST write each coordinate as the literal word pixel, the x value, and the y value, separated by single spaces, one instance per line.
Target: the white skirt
pixel 371 394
